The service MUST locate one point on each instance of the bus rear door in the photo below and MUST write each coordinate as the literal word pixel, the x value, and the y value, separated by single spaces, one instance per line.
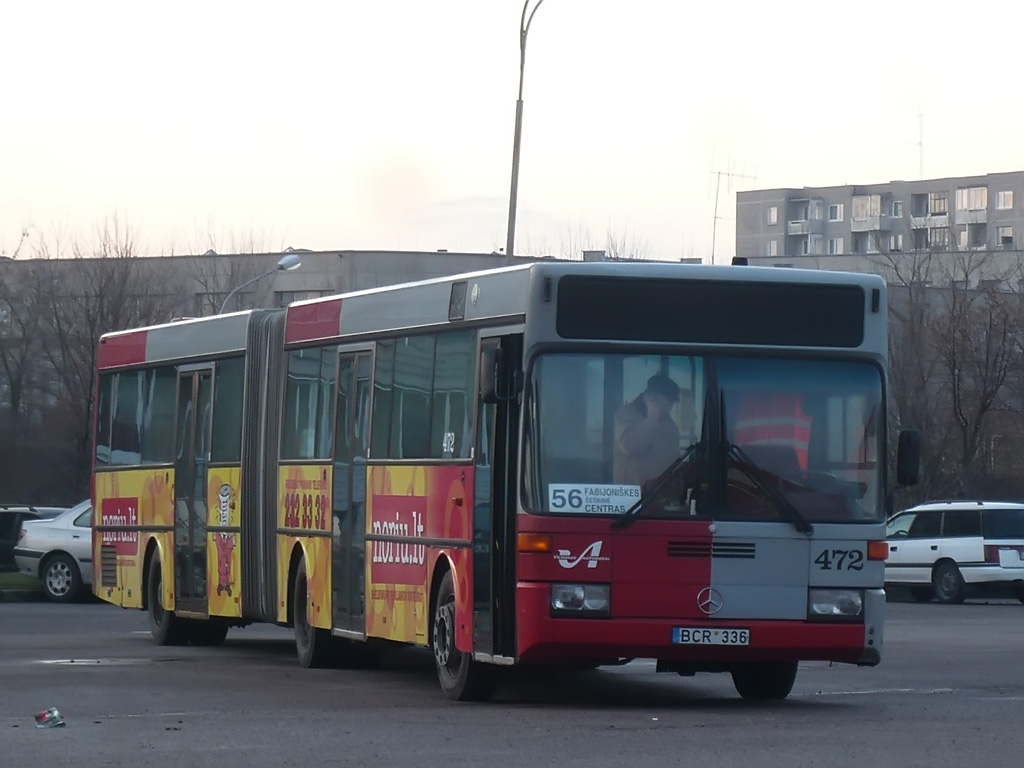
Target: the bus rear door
pixel 192 457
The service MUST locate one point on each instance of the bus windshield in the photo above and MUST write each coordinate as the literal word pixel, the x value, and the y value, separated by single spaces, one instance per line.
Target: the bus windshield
pixel 725 438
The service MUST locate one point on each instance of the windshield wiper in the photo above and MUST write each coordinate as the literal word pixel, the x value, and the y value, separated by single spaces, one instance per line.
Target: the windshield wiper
pixel 656 486
pixel 751 470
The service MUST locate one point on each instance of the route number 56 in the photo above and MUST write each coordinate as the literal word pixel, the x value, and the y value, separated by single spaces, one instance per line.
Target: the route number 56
pixel 561 499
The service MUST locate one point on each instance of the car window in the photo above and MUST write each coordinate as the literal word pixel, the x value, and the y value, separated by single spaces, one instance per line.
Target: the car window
pixel 898 525
pixel 962 522
pixel 84 520
pixel 1004 523
pixel 925 526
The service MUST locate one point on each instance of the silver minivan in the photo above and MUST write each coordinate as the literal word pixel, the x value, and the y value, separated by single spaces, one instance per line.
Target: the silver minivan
pixel 950 549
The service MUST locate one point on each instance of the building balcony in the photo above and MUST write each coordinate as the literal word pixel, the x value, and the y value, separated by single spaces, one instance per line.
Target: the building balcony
pixel 871 224
pixel 805 227
pixel 922 222
pixel 972 217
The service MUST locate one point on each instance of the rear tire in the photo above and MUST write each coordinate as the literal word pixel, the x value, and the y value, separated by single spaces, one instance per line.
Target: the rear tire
pixel 764 681
pixel 1018 590
pixel 461 678
pixel 166 628
pixel 312 645
pixel 948 584
pixel 62 581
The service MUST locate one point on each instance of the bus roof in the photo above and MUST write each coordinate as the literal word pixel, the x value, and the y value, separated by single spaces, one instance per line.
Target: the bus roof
pixel 504 294
pixel 193 337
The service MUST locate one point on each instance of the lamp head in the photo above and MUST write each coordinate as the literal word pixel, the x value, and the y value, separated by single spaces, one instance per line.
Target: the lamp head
pixel 289 261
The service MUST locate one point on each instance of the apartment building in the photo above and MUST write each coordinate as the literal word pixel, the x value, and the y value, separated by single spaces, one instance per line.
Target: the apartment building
pixel 840 227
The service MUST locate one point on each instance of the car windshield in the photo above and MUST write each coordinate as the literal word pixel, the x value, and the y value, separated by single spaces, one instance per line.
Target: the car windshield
pixel 739 438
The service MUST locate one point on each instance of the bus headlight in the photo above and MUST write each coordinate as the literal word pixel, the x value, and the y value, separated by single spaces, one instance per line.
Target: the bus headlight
pixel 580 599
pixel 836 604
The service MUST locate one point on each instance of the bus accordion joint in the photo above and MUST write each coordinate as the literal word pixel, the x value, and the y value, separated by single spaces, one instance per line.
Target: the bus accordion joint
pixel 535 542
pixel 878 550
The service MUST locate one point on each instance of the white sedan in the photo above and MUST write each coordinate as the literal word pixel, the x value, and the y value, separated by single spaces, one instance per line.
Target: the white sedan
pixel 58 552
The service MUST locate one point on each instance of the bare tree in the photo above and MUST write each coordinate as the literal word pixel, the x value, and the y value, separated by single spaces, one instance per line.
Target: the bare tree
pixel 109 288
pixel 954 343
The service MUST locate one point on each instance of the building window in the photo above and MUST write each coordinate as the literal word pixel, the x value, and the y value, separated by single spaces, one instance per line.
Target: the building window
pixel 920 239
pixel 1004 236
pixel 938 203
pixel 835 246
pixel 938 237
pixel 1004 200
pixel 972 198
pixel 835 212
pixel 771 248
pixel 867 205
pixel 895 243
pixel 773 215
pixel 284 298
pixel 919 205
pixel 897 209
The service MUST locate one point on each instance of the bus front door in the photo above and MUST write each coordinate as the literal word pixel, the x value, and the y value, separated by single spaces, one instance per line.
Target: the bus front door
pixel 494 507
pixel 192 457
pixel 348 553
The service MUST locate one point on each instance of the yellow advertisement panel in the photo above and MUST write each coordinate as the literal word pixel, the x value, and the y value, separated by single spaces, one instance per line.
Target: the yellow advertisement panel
pixel 223 504
pixel 405 506
pixel 304 520
pixel 126 501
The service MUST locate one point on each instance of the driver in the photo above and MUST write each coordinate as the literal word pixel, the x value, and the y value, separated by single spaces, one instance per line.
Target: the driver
pixel 646 436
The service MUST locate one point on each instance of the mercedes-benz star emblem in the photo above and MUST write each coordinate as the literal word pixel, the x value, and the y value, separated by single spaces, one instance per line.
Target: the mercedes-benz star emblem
pixel 709 601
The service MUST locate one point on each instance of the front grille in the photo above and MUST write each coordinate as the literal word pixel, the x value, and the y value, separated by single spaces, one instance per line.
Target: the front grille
pixel 707 549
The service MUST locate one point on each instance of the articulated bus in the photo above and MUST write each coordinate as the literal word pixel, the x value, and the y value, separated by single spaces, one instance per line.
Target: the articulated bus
pixel 567 464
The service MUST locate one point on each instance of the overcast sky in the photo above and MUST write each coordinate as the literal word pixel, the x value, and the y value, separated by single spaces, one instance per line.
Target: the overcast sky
pixel 388 124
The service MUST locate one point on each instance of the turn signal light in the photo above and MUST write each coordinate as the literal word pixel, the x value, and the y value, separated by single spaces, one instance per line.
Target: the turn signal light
pixel 534 542
pixel 878 550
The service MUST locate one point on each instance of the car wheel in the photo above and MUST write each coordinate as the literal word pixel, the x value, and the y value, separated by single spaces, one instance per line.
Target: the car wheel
pixel 461 678
pixel 764 681
pixel 166 628
pixel 62 581
pixel 948 584
pixel 312 645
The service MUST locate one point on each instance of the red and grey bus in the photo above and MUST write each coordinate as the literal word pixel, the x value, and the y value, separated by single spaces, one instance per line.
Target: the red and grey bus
pixel 441 464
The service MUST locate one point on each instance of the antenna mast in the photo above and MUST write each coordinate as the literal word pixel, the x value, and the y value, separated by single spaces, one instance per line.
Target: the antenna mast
pixel 729 175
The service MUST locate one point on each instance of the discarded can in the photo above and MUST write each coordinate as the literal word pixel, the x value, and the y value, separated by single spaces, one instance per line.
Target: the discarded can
pixel 49 719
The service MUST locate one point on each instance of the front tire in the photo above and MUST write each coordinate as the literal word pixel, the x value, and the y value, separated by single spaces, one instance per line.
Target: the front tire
pixel 948 584
pixel 62 581
pixel 312 645
pixel 461 678
pixel 764 681
pixel 164 626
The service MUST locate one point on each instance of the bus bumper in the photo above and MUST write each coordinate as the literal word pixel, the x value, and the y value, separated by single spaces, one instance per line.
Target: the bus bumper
pixel 542 637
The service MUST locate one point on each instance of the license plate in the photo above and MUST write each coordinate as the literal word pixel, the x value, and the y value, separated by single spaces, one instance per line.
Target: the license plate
pixel 708 636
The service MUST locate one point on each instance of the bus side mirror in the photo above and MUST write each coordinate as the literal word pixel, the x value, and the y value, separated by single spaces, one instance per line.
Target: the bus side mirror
pixel 908 457
pixel 490 361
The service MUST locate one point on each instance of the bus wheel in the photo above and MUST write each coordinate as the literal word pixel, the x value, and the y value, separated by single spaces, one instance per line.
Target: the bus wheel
pixel 312 645
pixel 461 678
pixel 166 628
pixel 948 584
pixel 764 681
pixel 208 632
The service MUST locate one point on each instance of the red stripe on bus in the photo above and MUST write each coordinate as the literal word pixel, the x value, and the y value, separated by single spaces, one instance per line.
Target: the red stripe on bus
pixel 309 322
pixel 127 349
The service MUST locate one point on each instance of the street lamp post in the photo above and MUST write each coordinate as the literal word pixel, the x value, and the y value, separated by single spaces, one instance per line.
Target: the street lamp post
pixel 524 27
pixel 285 263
